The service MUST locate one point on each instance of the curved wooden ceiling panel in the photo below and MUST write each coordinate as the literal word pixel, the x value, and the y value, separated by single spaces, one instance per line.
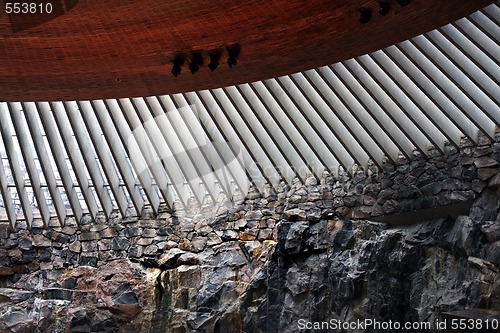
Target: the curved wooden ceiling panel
pixel 111 48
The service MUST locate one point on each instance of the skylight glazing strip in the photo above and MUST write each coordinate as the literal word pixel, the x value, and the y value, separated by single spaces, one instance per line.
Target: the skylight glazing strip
pixel 123 170
pixel 257 164
pixel 90 157
pixel 44 157
pixel 487 27
pixel 462 81
pixel 298 109
pixel 186 133
pixel 438 97
pixel 102 151
pixel 15 163
pixel 302 89
pixel 446 85
pixel 404 104
pixel 185 150
pixel 147 151
pixel 470 58
pixel 478 36
pixel 74 151
pixel 28 153
pixel 219 162
pixel 269 157
pixel 382 146
pixel 219 128
pixel 290 139
pixel 366 70
pixel 422 136
pixel 419 100
pixel 373 107
pixel 275 101
pixel 213 183
pixel 60 157
pixel 325 103
pixel 7 201
pixel 493 13
pixel 141 171
pixel 325 81
pixel 159 151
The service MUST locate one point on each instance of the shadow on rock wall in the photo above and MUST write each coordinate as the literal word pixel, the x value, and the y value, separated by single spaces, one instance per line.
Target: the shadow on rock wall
pixel 371 271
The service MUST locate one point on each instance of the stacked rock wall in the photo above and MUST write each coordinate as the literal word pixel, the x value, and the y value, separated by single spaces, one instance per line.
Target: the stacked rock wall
pixel 296 251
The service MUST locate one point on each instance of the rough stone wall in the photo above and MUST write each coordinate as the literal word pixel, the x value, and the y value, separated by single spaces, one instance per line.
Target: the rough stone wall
pixel 347 271
pixel 301 251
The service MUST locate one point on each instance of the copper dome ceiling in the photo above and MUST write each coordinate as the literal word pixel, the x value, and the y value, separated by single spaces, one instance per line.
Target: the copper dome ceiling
pixel 91 49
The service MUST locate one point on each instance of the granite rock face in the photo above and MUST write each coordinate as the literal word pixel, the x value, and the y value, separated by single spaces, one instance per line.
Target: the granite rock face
pixel 85 299
pixel 372 271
